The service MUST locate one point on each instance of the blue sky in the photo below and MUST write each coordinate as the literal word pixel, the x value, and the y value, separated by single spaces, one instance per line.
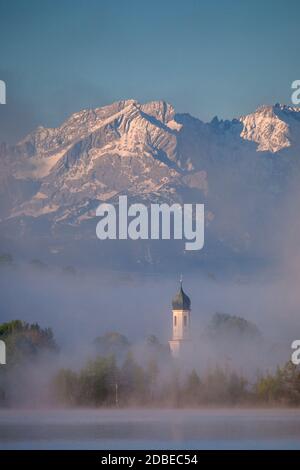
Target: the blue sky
pixel 216 57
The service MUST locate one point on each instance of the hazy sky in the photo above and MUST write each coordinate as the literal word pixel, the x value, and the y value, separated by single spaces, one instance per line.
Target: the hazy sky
pixel 206 57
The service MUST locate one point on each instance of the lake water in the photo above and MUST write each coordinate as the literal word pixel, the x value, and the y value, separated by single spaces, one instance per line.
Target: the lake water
pixel 150 429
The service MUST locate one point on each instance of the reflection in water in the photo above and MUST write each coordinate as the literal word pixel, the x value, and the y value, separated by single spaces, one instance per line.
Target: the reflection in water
pixel 150 429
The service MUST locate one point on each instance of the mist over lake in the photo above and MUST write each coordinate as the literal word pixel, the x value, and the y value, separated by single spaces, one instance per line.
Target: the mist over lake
pixel 150 429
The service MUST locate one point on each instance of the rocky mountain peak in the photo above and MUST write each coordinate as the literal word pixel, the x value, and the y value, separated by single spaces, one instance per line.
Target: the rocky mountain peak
pixel 147 152
pixel 269 127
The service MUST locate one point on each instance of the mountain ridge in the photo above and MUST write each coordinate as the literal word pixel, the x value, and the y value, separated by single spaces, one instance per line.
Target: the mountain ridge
pixel 151 154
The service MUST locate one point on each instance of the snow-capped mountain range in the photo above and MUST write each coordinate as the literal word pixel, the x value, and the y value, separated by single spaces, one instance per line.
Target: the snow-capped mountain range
pixel 56 177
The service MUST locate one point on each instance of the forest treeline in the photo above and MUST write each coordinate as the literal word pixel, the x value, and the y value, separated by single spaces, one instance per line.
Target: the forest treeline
pixel 103 383
pixel 118 375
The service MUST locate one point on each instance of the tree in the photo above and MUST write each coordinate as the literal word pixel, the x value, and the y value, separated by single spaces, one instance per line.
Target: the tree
pixel 66 386
pixel 223 325
pixel 97 381
pixel 69 271
pixel 133 380
pixel 6 259
pixel 38 264
pixel 283 386
pixel 193 388
pixel 24 340
pixel 112 343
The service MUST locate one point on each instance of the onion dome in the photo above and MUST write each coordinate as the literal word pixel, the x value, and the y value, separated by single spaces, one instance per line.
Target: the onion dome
pixel 181 301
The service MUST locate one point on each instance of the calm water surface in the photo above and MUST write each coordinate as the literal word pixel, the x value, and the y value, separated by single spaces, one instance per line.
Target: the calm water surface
pixel 150 429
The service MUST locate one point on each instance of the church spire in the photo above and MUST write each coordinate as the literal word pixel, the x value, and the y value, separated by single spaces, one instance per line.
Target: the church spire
pixel 181 301
pixel 181 310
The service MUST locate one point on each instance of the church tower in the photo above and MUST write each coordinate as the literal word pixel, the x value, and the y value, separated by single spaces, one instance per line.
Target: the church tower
pixel 181 321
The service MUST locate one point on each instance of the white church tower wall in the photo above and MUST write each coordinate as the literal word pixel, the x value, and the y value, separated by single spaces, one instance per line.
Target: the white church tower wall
pixel 181 322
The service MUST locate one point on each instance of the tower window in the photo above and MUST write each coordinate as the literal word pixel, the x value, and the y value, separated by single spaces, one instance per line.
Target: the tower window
pixel 175 320
pixel 185 320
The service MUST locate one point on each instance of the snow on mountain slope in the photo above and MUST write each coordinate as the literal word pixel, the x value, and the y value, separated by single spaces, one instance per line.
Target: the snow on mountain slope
pixel 271 127
pixel 147 151
pixel 44 147
pixel 95 155
pixel 53 180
